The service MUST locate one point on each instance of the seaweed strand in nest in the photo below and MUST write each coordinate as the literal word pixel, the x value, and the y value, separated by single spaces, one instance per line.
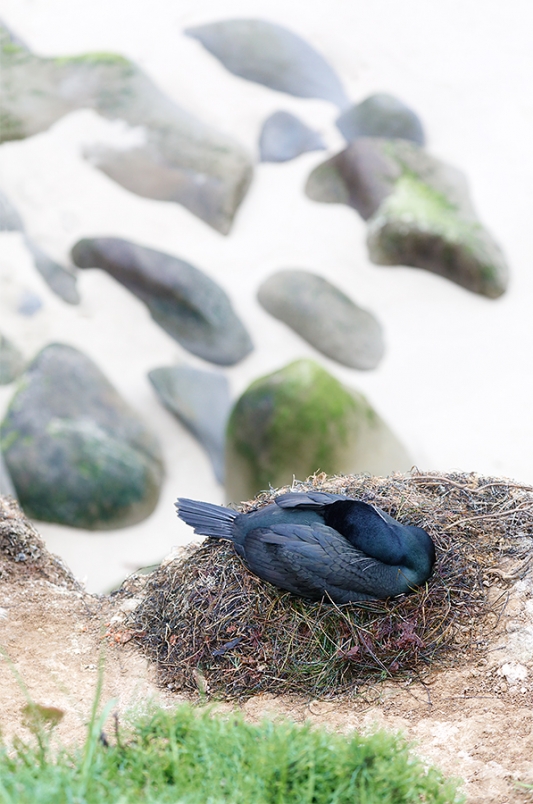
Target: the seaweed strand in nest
pixel 208 615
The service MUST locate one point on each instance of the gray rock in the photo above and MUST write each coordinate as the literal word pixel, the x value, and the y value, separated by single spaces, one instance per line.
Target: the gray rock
pixel 271 55
pixel 324 316
pixel 6 484
pixel 284 137
pixel 185 302
pixel 29 303
pixel 180 158
pixel 362 175
pixel 381 115
pixel 300 420
pixel 418 209
pixel 11 361
pixel 201 400
pixel 76 452
pixel 60 280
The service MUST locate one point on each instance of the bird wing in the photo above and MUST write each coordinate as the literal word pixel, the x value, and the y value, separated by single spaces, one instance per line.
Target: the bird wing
pixel 308 560
pixel 311 499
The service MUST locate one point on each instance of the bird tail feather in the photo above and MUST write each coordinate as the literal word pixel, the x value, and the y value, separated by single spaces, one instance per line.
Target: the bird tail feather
pixel 207 519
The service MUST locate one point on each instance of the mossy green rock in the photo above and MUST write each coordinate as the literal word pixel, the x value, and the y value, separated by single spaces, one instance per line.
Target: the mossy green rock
pixel 76 452
pixel 180 158
pixel 302 420
pixel 418 210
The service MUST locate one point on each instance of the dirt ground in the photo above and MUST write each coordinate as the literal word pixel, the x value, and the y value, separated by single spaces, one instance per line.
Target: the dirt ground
pixel 474 721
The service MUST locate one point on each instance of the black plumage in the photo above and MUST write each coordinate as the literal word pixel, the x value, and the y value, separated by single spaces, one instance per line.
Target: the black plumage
pixel 320 545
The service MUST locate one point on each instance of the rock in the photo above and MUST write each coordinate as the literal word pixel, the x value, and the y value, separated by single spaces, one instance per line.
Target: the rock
pixel 418 210
pixel 60 280
pixel 29 303
pixel 76 452
pixel 381 115
pixel 271 55
pixel 185 302
pixel 514 672
pixel 300 420
pixel 11 361
pixel 284 137
pixel 6 484
pixel 201 400
pixel 362 175
pixel 324 316
pixel 178 158
pixel 10 220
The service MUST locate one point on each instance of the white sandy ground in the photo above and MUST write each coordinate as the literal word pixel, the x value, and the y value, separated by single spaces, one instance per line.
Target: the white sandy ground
pixel 456 380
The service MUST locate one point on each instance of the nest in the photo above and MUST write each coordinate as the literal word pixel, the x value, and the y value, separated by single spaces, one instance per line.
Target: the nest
pixel 209 624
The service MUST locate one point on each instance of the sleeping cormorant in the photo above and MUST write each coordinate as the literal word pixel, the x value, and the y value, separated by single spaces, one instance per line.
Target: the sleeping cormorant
pixel 319 545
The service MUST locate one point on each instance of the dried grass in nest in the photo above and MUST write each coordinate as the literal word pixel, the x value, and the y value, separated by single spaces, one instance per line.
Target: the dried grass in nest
pixel 209 623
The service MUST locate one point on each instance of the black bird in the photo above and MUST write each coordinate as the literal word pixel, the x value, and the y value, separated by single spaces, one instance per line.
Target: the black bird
pixel 320 545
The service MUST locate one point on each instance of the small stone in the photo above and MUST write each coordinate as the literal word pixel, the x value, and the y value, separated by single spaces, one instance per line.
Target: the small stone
pixel 381 115
pixel 271 55
pixel 29 303
pixel 284 136
pixel 514 672
pixel 301 420
pixel 77 454
pixel 185 302
pixel 324 316
pixel 59 279
pixel 201 400
pixel 11 361
pixel 6 484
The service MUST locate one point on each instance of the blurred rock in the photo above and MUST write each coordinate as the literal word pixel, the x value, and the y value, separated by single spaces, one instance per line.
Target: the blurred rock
pixel 180 158
pixel 76 452
pixel 6 484
pixel 418 209
pixel 11 361
pixel 362 175
pixel 201 400
pixel 381 115
pixel 271 55
pixel 185 302
pixel 29 303
pixel 60 280
pixel 300 420
pixel 324 316
pixel 284 137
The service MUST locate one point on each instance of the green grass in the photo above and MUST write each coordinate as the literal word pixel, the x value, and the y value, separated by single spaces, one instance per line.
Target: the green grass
pixel 191 756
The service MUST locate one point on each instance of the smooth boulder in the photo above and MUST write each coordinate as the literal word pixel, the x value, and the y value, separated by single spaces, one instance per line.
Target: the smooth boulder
pixel 178 159
pixel 77 453
pixel 324 316
pixel 185 302
pixel 271 55
pixel 201 401
pixel 284 137
pixel 301 420
pixel 381 115
pixel 418 210
pixel 59 279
